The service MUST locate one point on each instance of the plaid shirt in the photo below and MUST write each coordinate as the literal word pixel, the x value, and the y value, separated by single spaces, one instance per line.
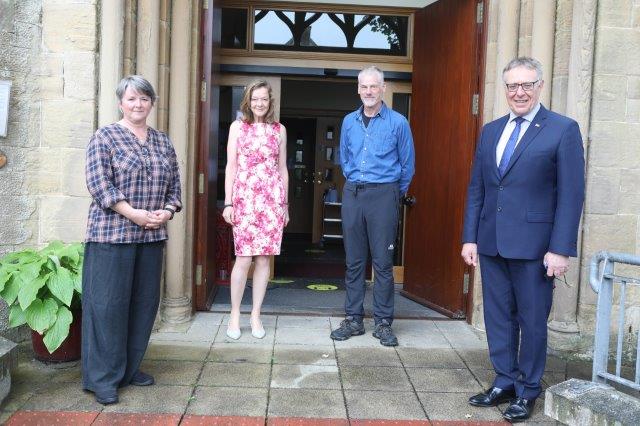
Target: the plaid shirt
pixel 121 168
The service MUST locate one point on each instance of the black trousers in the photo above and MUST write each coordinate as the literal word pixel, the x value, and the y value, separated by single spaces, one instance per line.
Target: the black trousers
pixel 370 224
pixel 120 297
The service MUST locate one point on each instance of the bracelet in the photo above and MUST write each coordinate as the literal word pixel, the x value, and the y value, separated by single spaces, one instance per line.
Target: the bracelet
pixel 170 211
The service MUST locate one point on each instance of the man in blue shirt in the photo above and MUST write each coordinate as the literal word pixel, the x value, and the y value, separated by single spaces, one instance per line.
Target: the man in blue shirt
pixel 378 161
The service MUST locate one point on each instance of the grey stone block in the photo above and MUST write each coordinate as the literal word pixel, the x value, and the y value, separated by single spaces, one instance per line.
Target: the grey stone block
pixel 305 376
pixel 375 378
pixel 384 405
pixel 228 401
pixel 151 399
pixel 8 361
pixel 226 374
pixel 380 357
pixel 443 380
pixel 308 355
pixel 581 402
pixel 238 353
pixel 307 403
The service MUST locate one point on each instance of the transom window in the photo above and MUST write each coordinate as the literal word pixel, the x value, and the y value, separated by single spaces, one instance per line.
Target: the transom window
pixel 308 31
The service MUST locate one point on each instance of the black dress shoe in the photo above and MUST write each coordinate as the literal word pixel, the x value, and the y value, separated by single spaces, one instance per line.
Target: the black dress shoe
pixel 106 397
pixel 142 379
pixel 492 397
pixel 519 410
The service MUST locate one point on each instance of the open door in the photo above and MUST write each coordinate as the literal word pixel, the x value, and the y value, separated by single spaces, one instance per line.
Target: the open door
pixel 205 205
pixel 446 84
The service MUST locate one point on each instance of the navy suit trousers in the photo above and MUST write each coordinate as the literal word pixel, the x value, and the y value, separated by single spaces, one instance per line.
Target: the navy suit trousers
pixel 517 302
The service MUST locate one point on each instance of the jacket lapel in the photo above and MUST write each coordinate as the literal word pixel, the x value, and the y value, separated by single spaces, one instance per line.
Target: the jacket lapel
pixel 534 128
pixel 495 138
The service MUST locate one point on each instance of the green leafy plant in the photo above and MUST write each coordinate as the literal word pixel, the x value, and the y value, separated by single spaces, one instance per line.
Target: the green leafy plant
pixel 42 287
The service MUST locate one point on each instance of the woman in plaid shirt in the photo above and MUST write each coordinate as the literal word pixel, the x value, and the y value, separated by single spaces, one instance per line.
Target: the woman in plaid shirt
pixel 132 175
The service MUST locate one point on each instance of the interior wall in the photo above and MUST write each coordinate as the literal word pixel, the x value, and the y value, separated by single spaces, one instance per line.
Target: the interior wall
pixel 334 96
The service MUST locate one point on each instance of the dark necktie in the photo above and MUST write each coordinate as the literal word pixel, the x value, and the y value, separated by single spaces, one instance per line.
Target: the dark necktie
pixel 510 147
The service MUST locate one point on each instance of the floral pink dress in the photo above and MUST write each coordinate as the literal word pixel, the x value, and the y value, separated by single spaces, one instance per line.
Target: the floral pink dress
pixel 258 191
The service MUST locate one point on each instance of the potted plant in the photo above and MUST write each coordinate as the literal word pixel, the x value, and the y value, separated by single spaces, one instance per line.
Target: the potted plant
pixel 43 289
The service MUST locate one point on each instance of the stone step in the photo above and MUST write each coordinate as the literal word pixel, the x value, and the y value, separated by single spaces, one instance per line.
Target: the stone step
pixel 8 362
pixel 581 402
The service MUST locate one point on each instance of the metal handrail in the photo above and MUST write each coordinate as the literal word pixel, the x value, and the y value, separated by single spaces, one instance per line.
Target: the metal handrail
pixel 602 280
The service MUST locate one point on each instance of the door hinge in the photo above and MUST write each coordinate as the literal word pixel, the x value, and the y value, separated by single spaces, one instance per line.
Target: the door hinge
pixel 465 284
pixel 203 91
pixel 475 104
pixel 198 275
pixel 479 12
pixel 205 4
pixel 201 183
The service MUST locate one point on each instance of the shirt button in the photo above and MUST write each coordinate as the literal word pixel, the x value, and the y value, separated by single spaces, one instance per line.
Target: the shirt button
pixel 499 209
pixel 501 187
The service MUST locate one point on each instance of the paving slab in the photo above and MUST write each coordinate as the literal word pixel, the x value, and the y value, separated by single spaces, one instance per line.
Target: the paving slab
pixel 228 401
pixel 303 336
pixel 484 376
pixel 460 335
pixel 476 358
pixel 443 380
pixel 305 377
pixel 433 357
pixel 181 351
pixel 71 374
pixel 151 399
pixel 375 378
pixel 226 352
pixel 173 372
pixel 239 374
pixel 313 403
pixel 19 395
pixel 307 355
pixel 61 397
pixel 383 405
pixel 245 320
pixel 379 356
pixel 455 406
pixel 322 323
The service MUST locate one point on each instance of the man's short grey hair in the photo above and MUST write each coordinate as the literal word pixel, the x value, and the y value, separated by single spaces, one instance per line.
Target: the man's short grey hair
pixel 524 61
pixel 137 83
pixel 372 70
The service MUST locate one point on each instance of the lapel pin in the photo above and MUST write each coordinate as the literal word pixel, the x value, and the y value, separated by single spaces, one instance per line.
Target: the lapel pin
pixel 537 125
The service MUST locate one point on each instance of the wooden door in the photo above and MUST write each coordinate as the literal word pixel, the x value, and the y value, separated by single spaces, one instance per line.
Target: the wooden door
pixel 327 173
pixel 446 75
pixel 301 134
pixel 204 264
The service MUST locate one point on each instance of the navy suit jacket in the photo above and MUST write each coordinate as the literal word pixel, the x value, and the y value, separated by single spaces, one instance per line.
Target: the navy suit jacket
pixel 536 206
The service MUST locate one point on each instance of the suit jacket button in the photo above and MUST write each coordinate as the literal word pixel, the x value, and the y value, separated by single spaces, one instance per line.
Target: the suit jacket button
pixel 499 209
pixel 501 187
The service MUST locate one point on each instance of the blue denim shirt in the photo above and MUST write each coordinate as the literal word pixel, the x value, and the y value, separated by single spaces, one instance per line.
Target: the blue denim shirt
pixel 379 153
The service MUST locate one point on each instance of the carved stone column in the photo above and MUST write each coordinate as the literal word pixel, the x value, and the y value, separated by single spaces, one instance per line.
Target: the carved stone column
pixel 542 40
pixel 148 48
pixel 111 58
pixel 563 328
pixel 507 49
pixel 176 304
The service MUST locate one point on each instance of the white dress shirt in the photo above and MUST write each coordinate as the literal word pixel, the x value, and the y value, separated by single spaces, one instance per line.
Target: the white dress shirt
pixel 508 129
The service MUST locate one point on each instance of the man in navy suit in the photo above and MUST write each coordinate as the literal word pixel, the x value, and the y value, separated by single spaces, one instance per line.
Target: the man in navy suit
pixel 523 209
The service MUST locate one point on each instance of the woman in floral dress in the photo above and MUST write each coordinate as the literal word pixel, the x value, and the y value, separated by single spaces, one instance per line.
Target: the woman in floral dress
pixel 255 203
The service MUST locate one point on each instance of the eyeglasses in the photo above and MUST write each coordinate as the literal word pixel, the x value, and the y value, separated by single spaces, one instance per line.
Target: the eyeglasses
pixel 256 100
pixel 526 86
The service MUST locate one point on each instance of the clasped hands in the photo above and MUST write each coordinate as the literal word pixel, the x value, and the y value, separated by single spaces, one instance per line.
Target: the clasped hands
pixel 151 219
pixel 555 264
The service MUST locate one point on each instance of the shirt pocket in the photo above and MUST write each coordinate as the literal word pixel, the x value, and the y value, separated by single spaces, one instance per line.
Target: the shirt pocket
pixel 126 163
pixel 385 142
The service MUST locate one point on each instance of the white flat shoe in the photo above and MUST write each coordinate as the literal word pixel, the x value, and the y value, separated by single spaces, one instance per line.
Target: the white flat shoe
pixel 258 333
pixel 234 334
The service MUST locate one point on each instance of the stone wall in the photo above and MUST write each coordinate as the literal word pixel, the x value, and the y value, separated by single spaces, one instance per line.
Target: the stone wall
pixel 49 53
pixel 612 209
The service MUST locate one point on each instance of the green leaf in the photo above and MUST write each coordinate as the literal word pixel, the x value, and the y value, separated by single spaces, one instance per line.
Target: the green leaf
pixel 77 281
pixel 53 247
pixel 10 290
pixel 61 285
pixel 29 290
pixel 16 316
pixel 55 260
pixel 54 337
pixel 71 253
pixel 5 275
pixel 41 316
pixel 20 257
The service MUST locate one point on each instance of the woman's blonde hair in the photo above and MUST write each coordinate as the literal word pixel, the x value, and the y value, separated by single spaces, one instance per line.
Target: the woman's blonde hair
pixel 245 105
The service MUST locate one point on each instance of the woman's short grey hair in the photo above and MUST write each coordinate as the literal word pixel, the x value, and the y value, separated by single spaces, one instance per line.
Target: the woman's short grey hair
pixel 372 70
pixel 137 83
pixel 524 61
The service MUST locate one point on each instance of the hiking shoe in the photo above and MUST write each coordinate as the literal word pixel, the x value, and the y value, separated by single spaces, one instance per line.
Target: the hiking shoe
pixel 142 379
pixel 348 327
pixel 385 334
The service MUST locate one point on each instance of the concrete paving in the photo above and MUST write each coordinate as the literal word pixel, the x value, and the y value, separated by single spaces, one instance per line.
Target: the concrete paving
pixel 296 372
